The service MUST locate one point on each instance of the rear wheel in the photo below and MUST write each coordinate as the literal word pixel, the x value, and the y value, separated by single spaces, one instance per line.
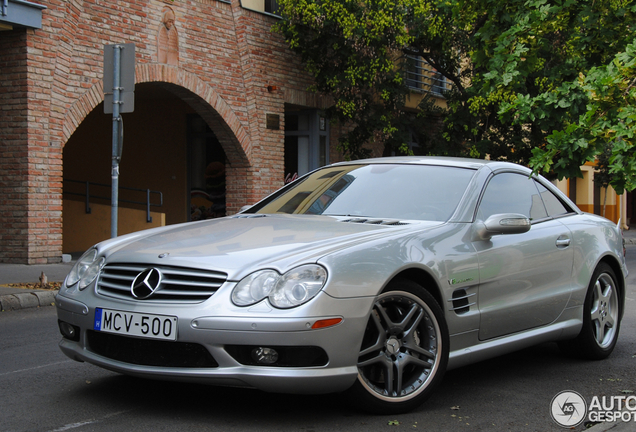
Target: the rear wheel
pixel 601 317
pixel 404 351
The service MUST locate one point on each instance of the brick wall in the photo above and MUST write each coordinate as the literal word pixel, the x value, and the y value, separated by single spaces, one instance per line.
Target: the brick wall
pixel 31 161
pixel 52 79
pixel 13 148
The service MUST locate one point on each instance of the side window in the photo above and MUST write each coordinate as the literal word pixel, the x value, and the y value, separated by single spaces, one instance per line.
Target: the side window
pixel 553 205
pixel 511 193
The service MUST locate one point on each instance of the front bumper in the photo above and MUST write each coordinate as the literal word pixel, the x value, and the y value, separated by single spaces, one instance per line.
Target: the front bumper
pixel 218 334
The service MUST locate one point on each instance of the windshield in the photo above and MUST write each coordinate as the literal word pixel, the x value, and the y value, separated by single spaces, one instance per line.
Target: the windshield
pixel 384 191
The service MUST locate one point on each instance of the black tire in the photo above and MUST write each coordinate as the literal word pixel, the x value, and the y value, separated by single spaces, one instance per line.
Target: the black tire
pixel 601 318
pixel 407 340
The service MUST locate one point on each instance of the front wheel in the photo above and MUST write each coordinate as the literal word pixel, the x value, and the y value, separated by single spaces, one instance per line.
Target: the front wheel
pixel 601 317
pixel 404 350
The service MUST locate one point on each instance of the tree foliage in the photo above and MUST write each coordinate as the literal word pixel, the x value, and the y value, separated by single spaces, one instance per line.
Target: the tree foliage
pixel 547 83
pixel 352 48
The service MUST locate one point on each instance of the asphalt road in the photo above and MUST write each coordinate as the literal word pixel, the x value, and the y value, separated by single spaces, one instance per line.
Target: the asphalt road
pixel 42 390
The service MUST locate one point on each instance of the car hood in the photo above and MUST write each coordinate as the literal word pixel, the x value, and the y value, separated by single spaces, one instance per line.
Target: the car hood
pixel 240 245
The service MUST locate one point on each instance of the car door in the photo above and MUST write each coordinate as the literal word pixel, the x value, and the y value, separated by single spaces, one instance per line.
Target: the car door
pixel 525 279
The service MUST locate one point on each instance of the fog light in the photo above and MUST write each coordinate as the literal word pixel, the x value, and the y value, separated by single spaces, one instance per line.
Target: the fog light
pixel 266 356
pixel 69 331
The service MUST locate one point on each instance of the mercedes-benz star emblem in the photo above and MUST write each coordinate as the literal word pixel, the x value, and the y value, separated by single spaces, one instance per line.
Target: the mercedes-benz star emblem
pixel 146 283
pixel 393 345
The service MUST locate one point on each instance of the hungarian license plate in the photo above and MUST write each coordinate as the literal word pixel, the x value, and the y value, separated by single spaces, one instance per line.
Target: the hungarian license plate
pixel 136 324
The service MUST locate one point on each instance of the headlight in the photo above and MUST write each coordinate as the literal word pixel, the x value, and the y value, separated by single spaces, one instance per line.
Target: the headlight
pixel 254 287
pixel 292 289
pixel 85 270
pixel 91 273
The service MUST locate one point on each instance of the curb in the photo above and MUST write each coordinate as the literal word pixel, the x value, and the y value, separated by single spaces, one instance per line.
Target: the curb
pixel 27 300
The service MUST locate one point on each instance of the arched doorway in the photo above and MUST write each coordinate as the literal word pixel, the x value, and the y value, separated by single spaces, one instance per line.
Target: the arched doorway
pixel 166 143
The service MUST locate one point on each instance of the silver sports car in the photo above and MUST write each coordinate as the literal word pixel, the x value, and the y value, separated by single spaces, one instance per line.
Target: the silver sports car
pixel 372 277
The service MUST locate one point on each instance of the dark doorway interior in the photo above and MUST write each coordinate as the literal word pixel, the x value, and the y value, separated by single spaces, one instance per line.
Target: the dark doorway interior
pixel 207 171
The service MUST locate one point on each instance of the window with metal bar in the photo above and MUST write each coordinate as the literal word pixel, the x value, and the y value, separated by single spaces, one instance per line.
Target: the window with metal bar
pixel 421 76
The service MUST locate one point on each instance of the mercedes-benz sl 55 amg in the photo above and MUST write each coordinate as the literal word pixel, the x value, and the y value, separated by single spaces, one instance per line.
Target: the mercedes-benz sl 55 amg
pixel 372 277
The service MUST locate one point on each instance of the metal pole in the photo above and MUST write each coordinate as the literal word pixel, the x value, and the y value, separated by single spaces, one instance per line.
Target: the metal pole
pixel 115 153
pixel 148 217
pixel 88 198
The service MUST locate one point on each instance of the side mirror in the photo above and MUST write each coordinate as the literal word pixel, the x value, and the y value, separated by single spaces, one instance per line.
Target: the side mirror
pixel 498 224
pixel 245 207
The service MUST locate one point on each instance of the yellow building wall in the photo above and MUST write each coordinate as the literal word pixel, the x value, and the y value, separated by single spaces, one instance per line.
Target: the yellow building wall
pixel 562 185
pixel 585 190
pixel 82 230
pixel 414 98
pixel 585 194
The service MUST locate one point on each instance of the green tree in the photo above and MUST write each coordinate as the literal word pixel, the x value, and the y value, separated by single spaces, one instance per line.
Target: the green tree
pixel 544 83
pixel 352 48
pixel 568 80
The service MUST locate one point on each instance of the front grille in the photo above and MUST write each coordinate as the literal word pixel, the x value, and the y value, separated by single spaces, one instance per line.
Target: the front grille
pixel 178 284
pixel 148 352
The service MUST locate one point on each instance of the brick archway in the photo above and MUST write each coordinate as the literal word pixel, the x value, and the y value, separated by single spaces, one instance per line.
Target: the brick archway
pixel 208 103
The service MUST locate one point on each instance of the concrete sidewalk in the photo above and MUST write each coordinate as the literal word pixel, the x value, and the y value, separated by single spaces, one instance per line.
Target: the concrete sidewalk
pixel 630 236
pixel 12 298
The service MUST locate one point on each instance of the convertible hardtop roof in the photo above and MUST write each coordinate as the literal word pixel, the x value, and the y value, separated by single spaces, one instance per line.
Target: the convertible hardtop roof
pixel 439 161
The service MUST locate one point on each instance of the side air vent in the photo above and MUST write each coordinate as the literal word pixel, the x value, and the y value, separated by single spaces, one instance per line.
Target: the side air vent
pixel 460 301
pixel 374 221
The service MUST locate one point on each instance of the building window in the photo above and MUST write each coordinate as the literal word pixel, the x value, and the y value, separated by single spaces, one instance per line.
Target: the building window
pixel 271 6
pixel 306 142
pixel 266 6
pixel 422 77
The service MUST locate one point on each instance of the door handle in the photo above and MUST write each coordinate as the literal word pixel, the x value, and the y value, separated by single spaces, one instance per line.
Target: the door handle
pixel 563 242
